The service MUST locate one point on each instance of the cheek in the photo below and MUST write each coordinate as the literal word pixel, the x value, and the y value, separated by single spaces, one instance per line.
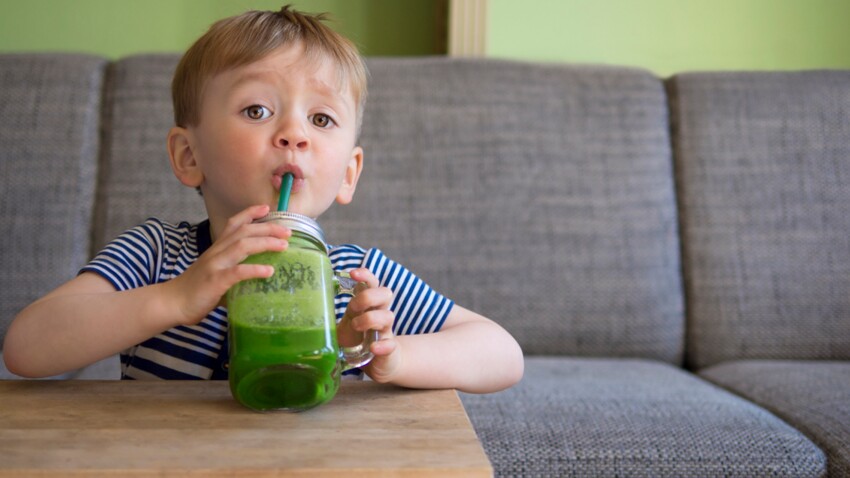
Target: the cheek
pixel 335 169
pixel 229 145
pixel 233 138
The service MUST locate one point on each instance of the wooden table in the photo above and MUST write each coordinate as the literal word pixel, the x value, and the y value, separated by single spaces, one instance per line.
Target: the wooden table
pixel 177 428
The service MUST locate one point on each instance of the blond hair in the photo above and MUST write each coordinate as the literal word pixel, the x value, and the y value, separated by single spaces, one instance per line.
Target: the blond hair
pixel 246 38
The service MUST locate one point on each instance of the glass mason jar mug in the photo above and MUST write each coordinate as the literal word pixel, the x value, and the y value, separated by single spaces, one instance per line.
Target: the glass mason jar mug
pixel 283 347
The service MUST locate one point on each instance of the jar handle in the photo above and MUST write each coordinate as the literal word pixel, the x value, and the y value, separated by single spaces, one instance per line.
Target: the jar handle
pixel 359 355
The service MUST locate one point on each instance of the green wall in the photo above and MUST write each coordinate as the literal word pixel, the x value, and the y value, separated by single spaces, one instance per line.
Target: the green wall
pixel 115 28
pixel 665 36
pixel 668 36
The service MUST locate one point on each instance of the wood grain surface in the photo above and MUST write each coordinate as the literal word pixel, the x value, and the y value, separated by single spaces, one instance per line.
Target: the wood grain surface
pixel 195 428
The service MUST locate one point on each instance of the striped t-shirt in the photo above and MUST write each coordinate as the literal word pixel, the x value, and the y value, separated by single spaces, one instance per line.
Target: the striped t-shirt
pixel 155 252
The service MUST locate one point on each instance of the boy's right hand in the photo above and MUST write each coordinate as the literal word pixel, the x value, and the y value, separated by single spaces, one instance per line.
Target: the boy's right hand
pixel 200 289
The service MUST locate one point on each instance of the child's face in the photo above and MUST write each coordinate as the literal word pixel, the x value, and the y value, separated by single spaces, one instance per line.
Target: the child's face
pixel 280 114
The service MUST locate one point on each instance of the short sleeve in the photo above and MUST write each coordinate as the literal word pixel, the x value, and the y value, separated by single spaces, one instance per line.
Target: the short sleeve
pixel 132 259
pixel 418 308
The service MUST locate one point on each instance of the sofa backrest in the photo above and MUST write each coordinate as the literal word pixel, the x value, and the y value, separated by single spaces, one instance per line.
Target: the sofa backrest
pixel 538 195
pixel 763 172
pixel 136 181
pixel 49 114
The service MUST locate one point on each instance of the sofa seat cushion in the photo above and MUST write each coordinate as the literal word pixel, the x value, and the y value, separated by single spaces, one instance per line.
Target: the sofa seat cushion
pixel 812 396
pixel 624 417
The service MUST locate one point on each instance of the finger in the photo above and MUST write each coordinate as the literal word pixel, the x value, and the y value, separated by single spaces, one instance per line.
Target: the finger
pixel 228 256
pixel 240 226
pixel 246 236
pixel 246 216
pixel 230 277
pixel 216 283
pixel 253 230
pixel 365 275
pixel 250 271
pixel 242 248
pixel 380 320
pixel 383 346
pixel 370 299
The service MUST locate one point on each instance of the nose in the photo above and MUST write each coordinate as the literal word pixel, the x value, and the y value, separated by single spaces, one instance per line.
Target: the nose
pixel 292 135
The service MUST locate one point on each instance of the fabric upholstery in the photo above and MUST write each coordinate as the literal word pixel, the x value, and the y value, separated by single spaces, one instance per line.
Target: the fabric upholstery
pixel 598 249
pixel 49 118
pixel 764 183
pixel 136 180
pixel 636 418
pixel 812 396
pixel 541 198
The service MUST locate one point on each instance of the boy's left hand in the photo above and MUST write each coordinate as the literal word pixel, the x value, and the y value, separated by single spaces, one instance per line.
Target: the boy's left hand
pixel 370 309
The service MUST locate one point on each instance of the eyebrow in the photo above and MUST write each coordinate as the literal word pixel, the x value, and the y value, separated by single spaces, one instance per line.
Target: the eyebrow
pixel 256 76
pixel 319 85
pixel 328 90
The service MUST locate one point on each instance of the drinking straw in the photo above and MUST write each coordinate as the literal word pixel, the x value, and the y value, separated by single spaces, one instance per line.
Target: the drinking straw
pixel 285 189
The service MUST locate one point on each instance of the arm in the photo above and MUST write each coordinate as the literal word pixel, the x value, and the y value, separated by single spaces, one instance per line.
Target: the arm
pixel 86 319
pixel 470 352
pixel 81 322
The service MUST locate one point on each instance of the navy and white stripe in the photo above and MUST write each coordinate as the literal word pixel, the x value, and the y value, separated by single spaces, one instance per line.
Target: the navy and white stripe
pixel 418 308
pixel 155 252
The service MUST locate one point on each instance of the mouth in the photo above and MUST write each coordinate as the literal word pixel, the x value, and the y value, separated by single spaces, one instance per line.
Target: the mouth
pixel 297 176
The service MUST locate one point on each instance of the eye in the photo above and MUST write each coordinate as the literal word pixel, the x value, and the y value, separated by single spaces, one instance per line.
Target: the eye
pixel 257 112
pixel 322 120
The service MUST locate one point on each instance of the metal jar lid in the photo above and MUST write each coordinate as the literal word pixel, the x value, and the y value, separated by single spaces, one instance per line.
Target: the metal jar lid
pixel 297 222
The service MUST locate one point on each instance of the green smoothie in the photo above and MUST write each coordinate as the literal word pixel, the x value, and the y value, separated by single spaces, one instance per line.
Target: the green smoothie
pixel 283 350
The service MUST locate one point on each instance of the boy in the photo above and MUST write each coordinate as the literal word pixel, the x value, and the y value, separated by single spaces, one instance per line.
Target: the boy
pixel 259 95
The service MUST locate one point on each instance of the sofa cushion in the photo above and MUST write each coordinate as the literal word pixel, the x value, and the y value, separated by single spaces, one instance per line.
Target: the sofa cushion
pixel 598 417
pixel 764 184
pixel 136 181
pixel 538 195
pixel 49 119
pixel 812 396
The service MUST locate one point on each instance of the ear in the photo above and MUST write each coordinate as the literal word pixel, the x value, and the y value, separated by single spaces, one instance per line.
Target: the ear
pixel 182 156
pixel 352 175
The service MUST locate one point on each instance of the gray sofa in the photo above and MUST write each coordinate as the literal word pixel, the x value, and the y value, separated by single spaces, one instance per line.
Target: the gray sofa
pixel 673 255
